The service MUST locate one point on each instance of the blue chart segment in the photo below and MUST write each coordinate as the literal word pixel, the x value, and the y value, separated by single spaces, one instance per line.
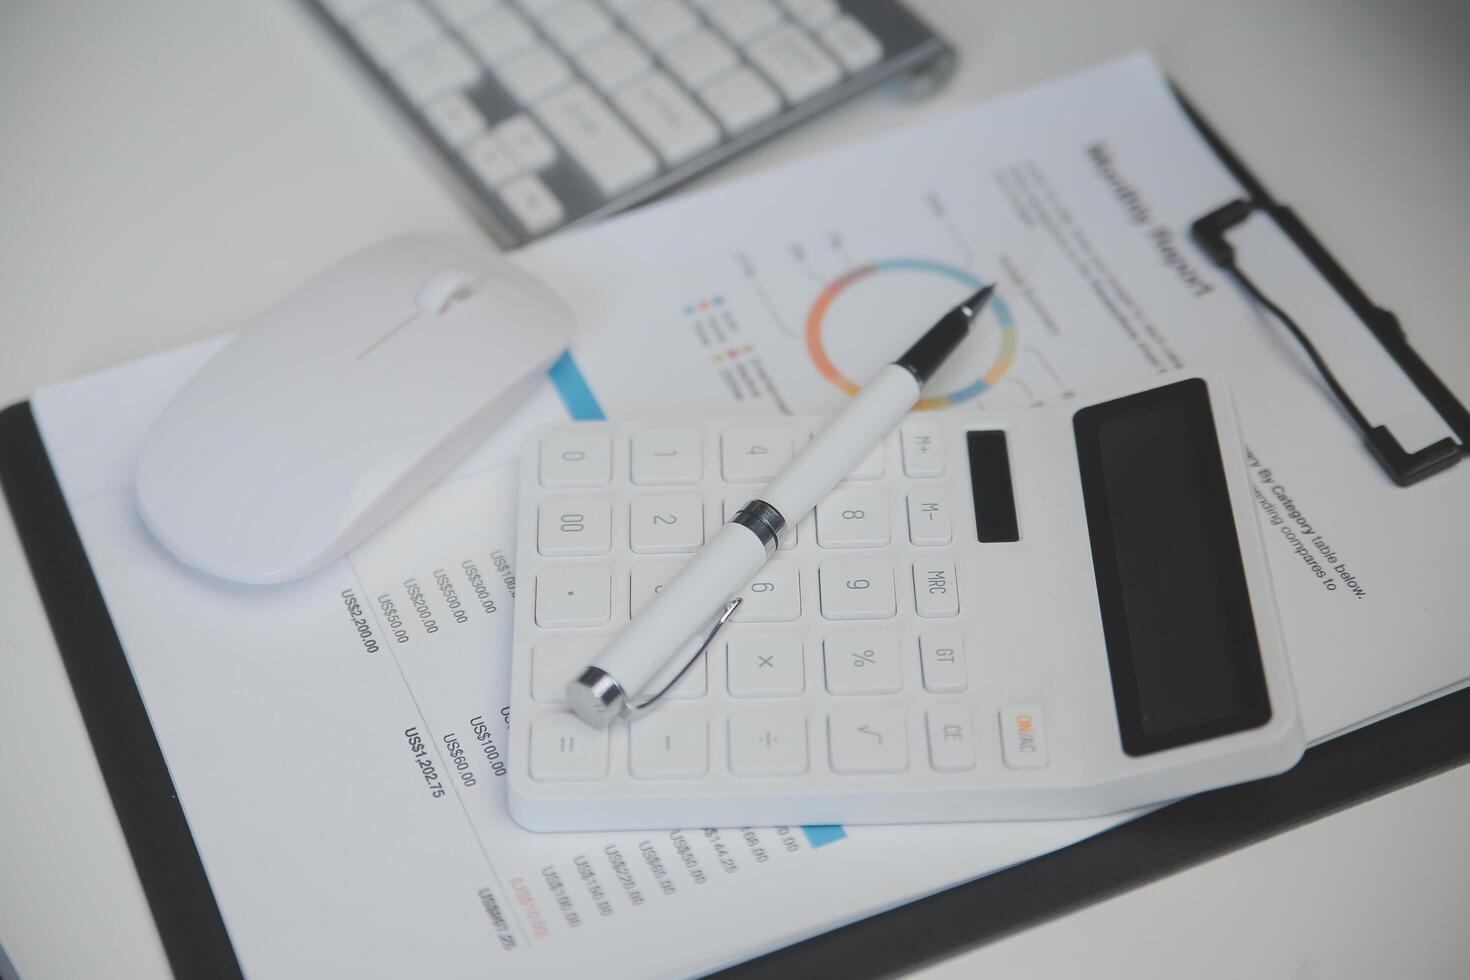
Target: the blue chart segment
pixel 820 835
pixel 581 404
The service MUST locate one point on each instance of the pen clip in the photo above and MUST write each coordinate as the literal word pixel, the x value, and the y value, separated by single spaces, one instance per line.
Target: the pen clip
pixel 631 711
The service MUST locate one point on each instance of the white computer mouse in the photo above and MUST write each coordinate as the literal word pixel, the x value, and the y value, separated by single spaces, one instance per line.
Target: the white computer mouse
pixel 334 410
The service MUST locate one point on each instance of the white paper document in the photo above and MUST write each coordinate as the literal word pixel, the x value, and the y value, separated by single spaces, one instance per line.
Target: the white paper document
pixel 338 743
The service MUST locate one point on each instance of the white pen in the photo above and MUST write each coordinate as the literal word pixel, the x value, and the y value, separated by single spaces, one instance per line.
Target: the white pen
pixel 712 580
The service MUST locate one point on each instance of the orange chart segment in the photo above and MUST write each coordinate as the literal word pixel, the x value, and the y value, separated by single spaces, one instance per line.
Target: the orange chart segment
pixel 817 315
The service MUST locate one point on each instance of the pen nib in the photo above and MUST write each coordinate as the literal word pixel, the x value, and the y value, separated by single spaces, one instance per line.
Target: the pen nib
pixel 940 340
pixel 971 307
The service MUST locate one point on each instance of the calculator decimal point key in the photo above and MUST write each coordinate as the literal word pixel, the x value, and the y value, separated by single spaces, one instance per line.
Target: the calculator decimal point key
pixel 573 595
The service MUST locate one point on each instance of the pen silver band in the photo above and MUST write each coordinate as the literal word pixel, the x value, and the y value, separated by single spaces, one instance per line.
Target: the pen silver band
pixel 596 697
pixel 765 521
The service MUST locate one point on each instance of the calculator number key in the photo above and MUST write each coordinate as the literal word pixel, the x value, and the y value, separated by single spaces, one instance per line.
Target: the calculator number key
pixel 754 453
pixel 929 523
pixel 868 740
pixel 649 579
pixel 857 588
pixel 571 526
pixel 923 449
pixel 762 665
pixel 573 595
pixel 669 745
pixel 942 660
pixel 666 524
pixel 667 457
pixel 951 738
pixel 862 662
pixel 769 742
pixel 558 660
pixel 576 459
pixel 564 748
pixel 773 597
pixel 853 519
pixel 936 593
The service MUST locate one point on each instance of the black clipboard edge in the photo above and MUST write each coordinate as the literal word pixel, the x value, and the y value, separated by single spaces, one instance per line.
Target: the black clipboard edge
pixel 157 833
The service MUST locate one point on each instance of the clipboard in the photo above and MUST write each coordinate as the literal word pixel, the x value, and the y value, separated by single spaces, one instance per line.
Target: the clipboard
pixel 1376 759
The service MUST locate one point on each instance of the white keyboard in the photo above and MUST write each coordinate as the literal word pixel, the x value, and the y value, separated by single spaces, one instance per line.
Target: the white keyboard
pixel 557 110
pixel 926 646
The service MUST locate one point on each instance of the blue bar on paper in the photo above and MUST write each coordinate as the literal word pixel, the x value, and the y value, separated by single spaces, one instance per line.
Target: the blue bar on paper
pixel 820 835
pixel 572 386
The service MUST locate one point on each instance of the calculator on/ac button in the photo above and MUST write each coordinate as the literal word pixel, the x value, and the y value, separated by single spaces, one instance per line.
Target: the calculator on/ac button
pixel 1060 612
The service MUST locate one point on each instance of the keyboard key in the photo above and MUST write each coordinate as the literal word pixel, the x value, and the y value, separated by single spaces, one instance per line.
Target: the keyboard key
pixel 698 57
pixel 439 67
pixel 811 13
pixel 952 738
pixel 862 662
pixel 574 526
pixel 462 12
pixel 526 142
pixel 613 61
pixel 660 21
pixel 667 457
pixel 669 745
pixel 667 118
pixel 793 61
pixel 923 449
pixel 573 595
pixel 488 159
pixel 765 665
pixel 575 24
pixel 740 100
pixel 942 660
pixel 455 119
pixel 393 31
pixel 857 588
pixel 735 501
pixel 599 141
pixel 666 524
pixel 565 748
pixel 929 523
pixel 743 20
pixel 936 591
pixel 773 597
pixel 1023 737
pixel 533 204
pixel 768 742
pixel 498 35
pixel 557 661
pixel 852 43
pixel 576 458
pixel 648 580
pixel 850 518
pixel 754 453
pixel 868 739
pixel 533 72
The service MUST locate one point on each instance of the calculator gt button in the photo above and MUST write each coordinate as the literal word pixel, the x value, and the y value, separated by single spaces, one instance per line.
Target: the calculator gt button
pixel 754 453
pixel 857 588
pixel 942 660
pixel 936 592
pixel 576 459
pixel 1023 736
pixel 666 524
pixel 952 738
pixel 558 660
pixel 929 523
pixel 850 518
pixel 572 526
pixel 565 748
pixel 665 457
pixel 862 662
pixel 868 740
pixel 573 595
pixel 773 597
pixel 669 745
pixel 762 665
pixel 923 449
pixel 770 742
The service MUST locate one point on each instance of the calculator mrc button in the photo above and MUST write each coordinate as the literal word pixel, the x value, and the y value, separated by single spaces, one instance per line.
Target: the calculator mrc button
pixel 564 747
pixel 768 742
pixel 857 588
pixel 669 745
pixel 942 660
pixel 936 592
pixel 862 662
pixel 573 595
pixel 923 449
pixel 570 526
pixel 871 739
pixel 765 665
pixel 1023 736
pixel 952 738
pixel 576 459
pixel 663 457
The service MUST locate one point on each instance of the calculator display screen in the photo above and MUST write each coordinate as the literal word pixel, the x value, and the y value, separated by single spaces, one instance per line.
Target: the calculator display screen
pixel 1182 648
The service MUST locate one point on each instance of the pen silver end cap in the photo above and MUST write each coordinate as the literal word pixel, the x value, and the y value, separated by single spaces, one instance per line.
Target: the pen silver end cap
pixel 595 697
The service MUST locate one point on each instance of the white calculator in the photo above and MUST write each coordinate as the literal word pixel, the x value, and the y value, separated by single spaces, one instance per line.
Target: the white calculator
pixel 1060 612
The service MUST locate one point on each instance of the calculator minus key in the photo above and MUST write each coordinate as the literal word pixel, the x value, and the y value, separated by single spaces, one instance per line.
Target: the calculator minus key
pixel 572 458
pixel 669 745
pixel 573 596
pixel 667 457
pixel 754 453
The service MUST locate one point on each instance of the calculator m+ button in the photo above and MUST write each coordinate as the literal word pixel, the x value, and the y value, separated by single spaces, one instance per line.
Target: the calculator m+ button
pixel 923 449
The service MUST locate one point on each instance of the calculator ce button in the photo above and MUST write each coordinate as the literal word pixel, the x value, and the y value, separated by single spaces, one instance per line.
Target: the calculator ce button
pixel 951 738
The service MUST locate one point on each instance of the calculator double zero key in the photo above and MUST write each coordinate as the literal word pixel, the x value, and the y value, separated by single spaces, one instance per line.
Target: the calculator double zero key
pixel 941 639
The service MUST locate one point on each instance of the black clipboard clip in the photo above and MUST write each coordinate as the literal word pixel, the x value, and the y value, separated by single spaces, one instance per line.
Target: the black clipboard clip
pixel 1403 466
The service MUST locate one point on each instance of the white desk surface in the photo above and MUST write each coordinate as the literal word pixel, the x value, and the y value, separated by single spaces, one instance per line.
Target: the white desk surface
pixel 168 168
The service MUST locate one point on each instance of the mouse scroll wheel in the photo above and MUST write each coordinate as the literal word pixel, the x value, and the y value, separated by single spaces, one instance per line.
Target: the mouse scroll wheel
pixel 445 289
